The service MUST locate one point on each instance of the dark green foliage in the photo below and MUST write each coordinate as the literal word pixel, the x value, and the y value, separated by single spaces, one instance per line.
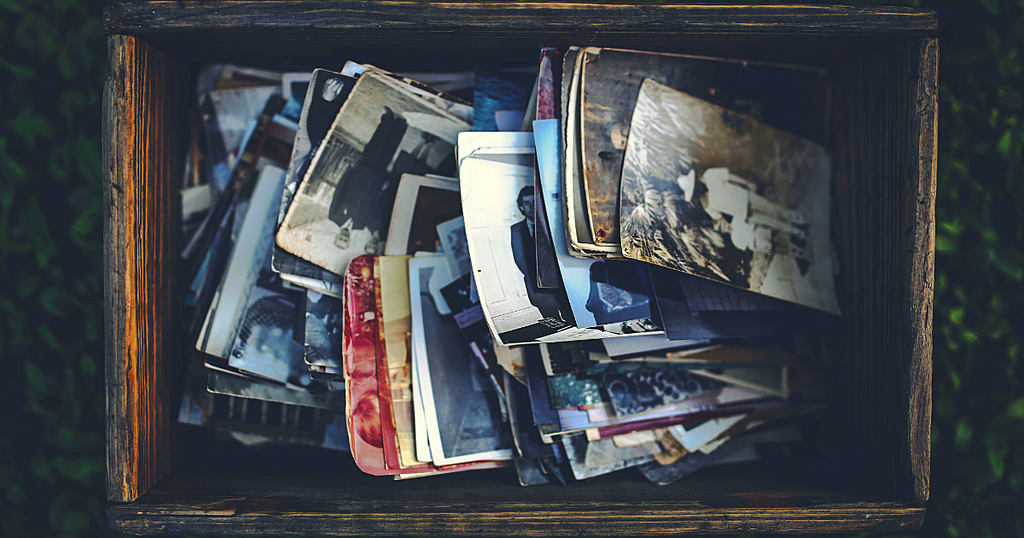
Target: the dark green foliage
pixel 51 452
pixel 52 57
pixel 978 426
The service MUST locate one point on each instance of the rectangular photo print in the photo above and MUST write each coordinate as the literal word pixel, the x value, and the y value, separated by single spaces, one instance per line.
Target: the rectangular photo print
pixel 422 203
pixel 463 407
pixel 496 200
pixel 343 206
pixel 720 195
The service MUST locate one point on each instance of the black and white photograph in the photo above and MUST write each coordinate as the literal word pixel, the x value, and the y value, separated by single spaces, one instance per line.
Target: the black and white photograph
pixel 723 196
pixel 343 206
pixel 323 330
pixel 264 345
pixel 462 406
pixel 326 92
pixel 692 307
pixel 646 387
pixel 600 292
pixel 250 254
pixel 220 382
pixel 452 234
pixel 421 204
pixel 496 197
pixel 611 79
pixel 433 89
pixel 594 458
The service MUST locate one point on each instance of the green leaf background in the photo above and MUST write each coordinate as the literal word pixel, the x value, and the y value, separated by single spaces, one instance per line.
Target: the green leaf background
pixel 52 67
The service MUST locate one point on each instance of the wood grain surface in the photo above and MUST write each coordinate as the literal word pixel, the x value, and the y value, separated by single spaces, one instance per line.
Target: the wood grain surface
pixel 884 205
pixel 204 499
pixel 503 18
pixel 141 211
pixel 296 32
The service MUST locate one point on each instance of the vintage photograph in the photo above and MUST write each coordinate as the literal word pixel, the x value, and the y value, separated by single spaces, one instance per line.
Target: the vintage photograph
pixel 327 92
pixel 720 195
pixel 343 206
pixel 220 382
pixel 496 199
pixel 249 257
pixel 698 308
pixel 361 344
pixel 611 79
pixel 323 330
pixel 646 387
pixel 421 204
pixel 600 292
pixel 462 405
pixel 396 323
pixel 452 234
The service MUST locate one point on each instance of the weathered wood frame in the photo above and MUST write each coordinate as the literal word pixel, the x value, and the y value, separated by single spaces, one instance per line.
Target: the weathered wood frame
pixel 884 143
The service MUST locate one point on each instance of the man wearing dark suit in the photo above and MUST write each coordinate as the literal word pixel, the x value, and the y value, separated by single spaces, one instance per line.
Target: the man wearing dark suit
pixel 524 251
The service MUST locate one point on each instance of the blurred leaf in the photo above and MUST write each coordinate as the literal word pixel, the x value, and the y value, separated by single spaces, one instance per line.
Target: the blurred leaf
pixel 79 469
pixel 40 469
pixel 992 36
pixel 86 229
pixel 967 57
pixel 87 156
pixel 32 232
pixel 13 6
pixel 64 517
pixel 88 366
pixel 56 301
pixel 944 244
pixel 36 34
pixel 27 283
pixel 30 125
pixel 991 5
pixel 1012 270
pixel 35 378
pixel 1004 146
pixel 963 435
pixel 15 494
pixel 1010 98
pixel 46 335
pixel 20 72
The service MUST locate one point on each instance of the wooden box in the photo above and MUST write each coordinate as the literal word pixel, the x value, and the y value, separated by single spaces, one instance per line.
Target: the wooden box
pixel 883 136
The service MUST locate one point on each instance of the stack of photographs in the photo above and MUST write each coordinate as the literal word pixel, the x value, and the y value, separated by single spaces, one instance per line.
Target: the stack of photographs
pixel 612 259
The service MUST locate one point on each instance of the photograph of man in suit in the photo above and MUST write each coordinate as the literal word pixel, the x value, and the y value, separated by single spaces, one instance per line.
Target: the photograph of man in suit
pixel 550 303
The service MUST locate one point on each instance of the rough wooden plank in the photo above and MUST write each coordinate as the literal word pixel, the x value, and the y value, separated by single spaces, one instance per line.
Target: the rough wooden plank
pixel 885 185
pixel 299 502
pixel 645 520
pixel 330 17
pixel 920 248
pixel 464 35
pixel 140 212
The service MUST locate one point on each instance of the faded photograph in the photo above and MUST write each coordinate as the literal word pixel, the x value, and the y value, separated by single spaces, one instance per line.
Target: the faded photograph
pixel 343 207
pixel 329 90
pixel 720 195
pixel 462 405
pixel 323 330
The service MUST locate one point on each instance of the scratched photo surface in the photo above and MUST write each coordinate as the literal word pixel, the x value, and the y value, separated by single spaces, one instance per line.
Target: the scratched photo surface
pixel 343 206
pixel 790 97
pixel 720 195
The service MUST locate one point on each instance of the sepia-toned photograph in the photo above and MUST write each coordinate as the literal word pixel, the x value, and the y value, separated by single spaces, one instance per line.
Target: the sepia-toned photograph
pixel 720 195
